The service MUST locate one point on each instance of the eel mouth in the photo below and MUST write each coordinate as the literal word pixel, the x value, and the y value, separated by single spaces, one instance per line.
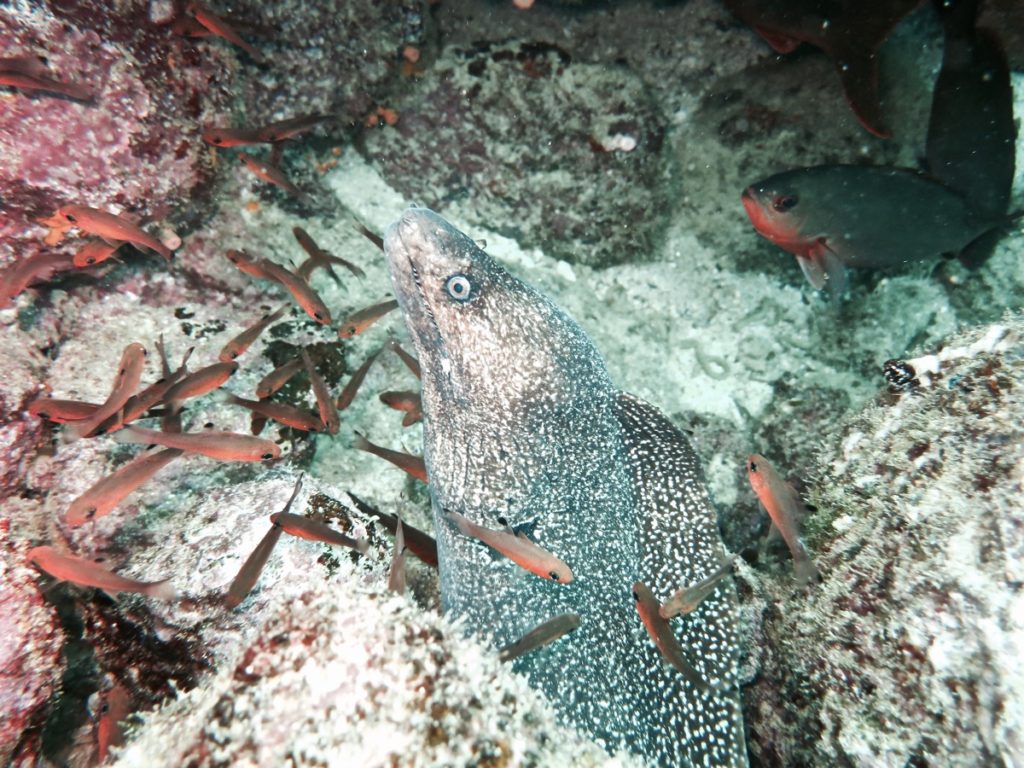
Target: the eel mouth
pixel 406 243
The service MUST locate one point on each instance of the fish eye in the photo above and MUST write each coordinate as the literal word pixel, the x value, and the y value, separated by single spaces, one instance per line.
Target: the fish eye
pixel 783 203
pixel 636 596
pixel 267 456
pixel 554 576
pixel 753 466
pixel 459 287
pixel 71 217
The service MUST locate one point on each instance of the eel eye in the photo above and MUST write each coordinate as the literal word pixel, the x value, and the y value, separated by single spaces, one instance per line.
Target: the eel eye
pixel 784 203
pixel 459 287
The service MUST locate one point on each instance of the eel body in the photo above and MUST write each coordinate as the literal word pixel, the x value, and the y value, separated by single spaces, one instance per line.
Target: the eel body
pixel 522 426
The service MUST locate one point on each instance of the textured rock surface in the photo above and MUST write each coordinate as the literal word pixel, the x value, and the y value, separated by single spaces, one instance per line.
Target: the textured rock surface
pixel 554 153
pixel 30 654
pixel 908 652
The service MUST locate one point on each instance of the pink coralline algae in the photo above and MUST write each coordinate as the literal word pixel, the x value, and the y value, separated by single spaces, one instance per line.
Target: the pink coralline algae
pixel 30 654
pixel 136 146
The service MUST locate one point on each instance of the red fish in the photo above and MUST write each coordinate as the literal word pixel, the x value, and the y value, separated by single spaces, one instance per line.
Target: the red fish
pixel 348 394
pixel 278 377
pixel 115 706
pixel 539 636
pixel 110 227
pixel 321 258
pixel 848 31
pixel 217 26
pixel 224 446
pixel 409 402
pixel 785 509
pixel 411 465
pixel 129 374
pixel 104 497
pixel 687 599
pixel 396 573
pixel 244 340
pixel 89 573
pixel 661 633
pixel 34 65
pixel 230 137
pixel 419 543
pixel 31 84
pixel 410 362
pixel 251 569
pixel 518 548
pixel 272 175
pixel 291 127
pixel 324 401
pixel 289 415
pixel 313 530
pixel 200 382
pixel 35 269
pixel 359 321
pixel 61 411
pixel 95 252
pixel 297 286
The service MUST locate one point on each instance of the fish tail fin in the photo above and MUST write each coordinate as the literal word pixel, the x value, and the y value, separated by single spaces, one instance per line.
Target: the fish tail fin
pixel 806 571
pixel 978 251
pixel 858 71
pixel 161 590
pixel 361 443
pixel 362 545
pixel 131 436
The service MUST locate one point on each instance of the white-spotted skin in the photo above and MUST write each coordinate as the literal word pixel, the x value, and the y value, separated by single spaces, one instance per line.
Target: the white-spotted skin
pixel 521 422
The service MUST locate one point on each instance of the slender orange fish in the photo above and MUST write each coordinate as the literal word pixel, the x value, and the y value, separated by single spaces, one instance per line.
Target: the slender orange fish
pixel 407 401
pixel 410 362
pixel 518 548
pixel 89 573
pixel 35 65
pixel 129 374
pixel 412 465
pixel 217 26
pixel 359 321
pixel 349 392
pixel 30 84
pixel 687 599
pixel 291 127
pixel 251 569
pixel 271 174
pixel 152 395
pixel 321 258
pixel 419 543
pixel 247 263
pixel 230 137
pixel 115 706
pixel 539 636
pixel 289 415
pixel 300 290
pixel 110 227
pixel 278 377
pixel 313 530
pixel 225 446
pixel 664 638
pixel 200 382
pixel 35 269
pixel 103 497
pixel 244 340
pixel 324 402
pixel 61 411
pixel 785 509
pixel 95 252
pixel 396 573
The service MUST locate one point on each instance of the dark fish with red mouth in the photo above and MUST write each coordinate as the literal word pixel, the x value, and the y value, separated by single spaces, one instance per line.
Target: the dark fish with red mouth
pixel 836 216
pixel 850 32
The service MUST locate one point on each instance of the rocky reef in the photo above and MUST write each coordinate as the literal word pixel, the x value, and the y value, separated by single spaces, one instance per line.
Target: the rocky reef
pixel 600 153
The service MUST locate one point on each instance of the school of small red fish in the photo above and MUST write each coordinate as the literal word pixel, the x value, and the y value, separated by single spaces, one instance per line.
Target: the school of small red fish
pixel 794 210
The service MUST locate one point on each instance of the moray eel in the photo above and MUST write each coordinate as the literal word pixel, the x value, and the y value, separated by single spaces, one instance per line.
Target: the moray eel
pixel 522 425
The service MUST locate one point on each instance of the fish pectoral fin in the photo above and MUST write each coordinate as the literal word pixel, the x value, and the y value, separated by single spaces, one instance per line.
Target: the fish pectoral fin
pixel 858 71
pixel 813 271
pixel 773 534
pixel 835 271
pixel 779 42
